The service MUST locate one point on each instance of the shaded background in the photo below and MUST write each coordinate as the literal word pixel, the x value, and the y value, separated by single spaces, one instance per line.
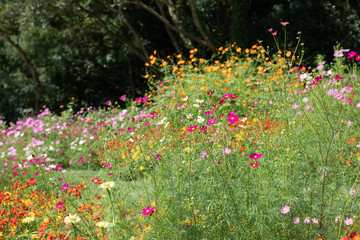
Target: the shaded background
pixel 91 51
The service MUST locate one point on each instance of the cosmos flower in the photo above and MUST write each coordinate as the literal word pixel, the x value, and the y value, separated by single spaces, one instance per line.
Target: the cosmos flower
pixel 148 211
pixel 352 191
pixel 348 221
pixel 71 219
pixel 255 156
pixel 107 185
pixel 285 209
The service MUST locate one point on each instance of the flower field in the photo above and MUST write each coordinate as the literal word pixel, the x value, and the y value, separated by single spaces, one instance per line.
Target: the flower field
pixel 245 145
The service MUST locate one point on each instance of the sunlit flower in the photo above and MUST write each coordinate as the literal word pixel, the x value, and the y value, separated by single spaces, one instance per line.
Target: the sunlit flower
pixel 337 219
pixel 107 185
pixel 307 220
pixel 200 119
pixel 315 220
pixel 71 219
pixel 296 220
pixel 28 219
pixel 102 224
pixel 285 209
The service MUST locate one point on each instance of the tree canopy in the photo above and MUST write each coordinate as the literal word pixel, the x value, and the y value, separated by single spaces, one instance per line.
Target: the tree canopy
pixel 95 50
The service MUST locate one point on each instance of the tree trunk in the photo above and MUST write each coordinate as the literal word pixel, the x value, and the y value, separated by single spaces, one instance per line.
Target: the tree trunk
pixel 31 67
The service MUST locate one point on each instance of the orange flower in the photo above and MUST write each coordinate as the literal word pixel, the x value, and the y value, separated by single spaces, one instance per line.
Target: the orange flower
pixel 352 140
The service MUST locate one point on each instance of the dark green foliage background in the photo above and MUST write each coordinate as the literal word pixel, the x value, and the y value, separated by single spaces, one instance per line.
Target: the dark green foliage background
pixel 94 56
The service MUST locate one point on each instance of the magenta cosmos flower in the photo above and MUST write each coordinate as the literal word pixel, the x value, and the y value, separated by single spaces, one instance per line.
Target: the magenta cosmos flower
pixel 211 121
pixel 148 211
pixel 285 209
pixel 254 165
pixel 255 156
pixel 351 54
pixel 192 128
pixel 233 118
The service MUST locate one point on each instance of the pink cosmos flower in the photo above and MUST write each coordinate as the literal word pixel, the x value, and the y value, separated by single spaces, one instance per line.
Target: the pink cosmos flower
pixel 123 97
pixel 81 160
pixel 254 165
pixel 315 220
pixel 348 221
pixel 148 211
pixel 307 220
pixel 211 121
pixel 274 33
pixel 352 191
pixel 255 156
pixel 226 150
pixel 296 220
pixel 158 156
pixel 285 209
pixel 192 128
pixel 357 58
pixel 284 23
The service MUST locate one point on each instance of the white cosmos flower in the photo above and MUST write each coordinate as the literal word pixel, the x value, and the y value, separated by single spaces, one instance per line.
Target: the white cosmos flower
pixel 107 185
pixel 71 219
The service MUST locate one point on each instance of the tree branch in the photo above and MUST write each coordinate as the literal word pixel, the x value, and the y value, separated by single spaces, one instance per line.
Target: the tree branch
pixel 199 27
pixel 111 33
pixel 30 66
pixel 167 23
pixel 128 24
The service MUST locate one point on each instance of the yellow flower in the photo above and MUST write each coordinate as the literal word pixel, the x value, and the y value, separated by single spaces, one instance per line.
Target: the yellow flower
pixel 107 185
pixel 34 236
pixel 148 229
pixel 141 168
